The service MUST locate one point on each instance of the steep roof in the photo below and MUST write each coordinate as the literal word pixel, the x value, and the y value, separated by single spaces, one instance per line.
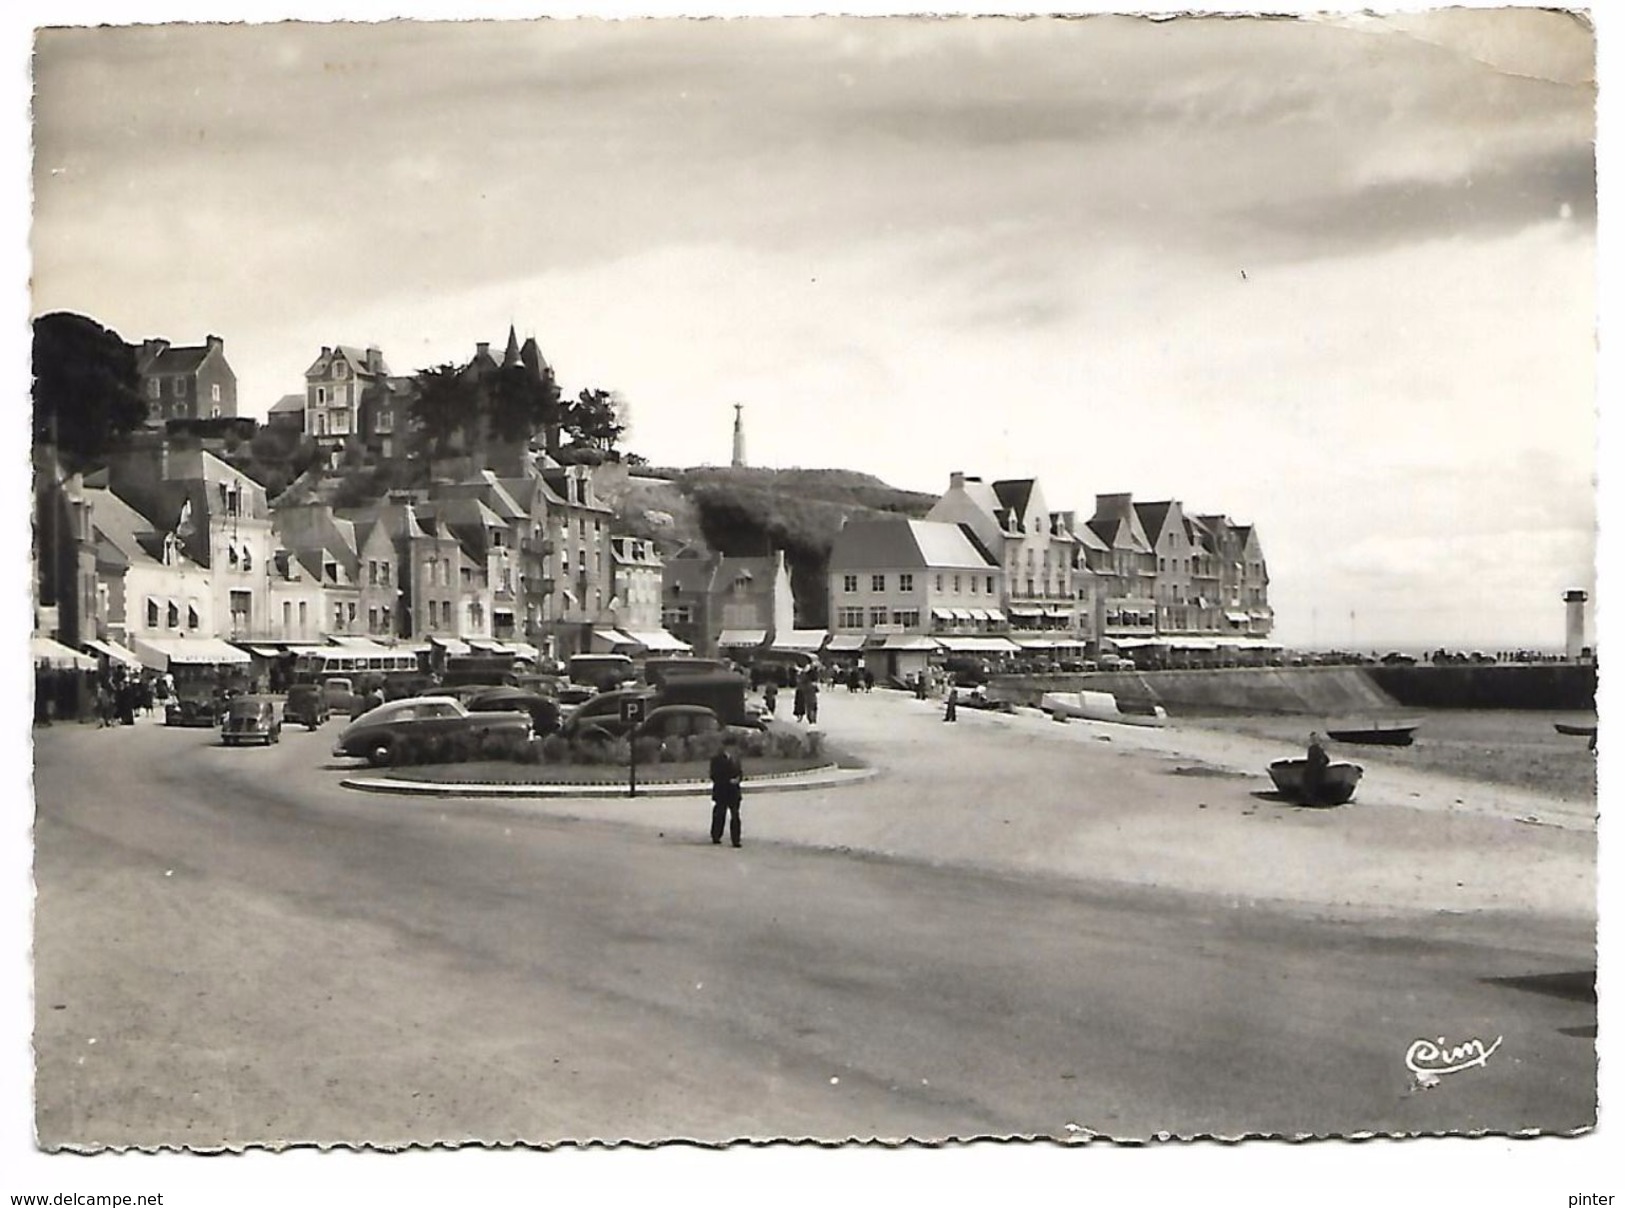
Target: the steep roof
pixel 1014 493
pixel 120 527
pixel 288 402
pixel 177 360
pixel 889 543
pixel 1153 516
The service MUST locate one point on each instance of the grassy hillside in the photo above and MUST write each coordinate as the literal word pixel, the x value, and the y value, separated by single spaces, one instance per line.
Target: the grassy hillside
pixel 752 510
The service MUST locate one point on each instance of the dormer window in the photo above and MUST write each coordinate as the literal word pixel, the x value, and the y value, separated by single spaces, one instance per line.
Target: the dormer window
pixel 231 554
pixel 338 369
pixel 248 562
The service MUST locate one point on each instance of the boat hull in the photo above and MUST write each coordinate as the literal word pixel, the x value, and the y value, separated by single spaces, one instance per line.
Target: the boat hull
pixel 1338 782
pixel 1376 736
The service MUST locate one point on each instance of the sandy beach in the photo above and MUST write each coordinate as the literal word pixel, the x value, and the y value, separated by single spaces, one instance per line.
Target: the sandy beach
pixel 1180 808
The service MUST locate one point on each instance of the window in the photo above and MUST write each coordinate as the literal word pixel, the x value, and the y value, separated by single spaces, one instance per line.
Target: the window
pixel 231 553
pixel 956 584
pixel 248 562
pixel 908 618
pixel 849 583
pixel 990 585
pixel 352 614
pixel 877 616
pixel 338 369
pixel 321 395
pixel 850 618
pixel 385 621
pixel 939 582
pixel 372 620
pixel 338 616
pixel 877 582
pixel 214 394
pixel 372 571
pixel 383 568
pixel 152 613
pixel 191 616
pixel 172 616
pixel 905 582
pixel 303 617
pixel 180 387
pixel 974 584
pixel 155 387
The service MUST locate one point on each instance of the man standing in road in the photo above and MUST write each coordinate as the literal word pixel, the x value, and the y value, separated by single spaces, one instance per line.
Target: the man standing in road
pixel 727 779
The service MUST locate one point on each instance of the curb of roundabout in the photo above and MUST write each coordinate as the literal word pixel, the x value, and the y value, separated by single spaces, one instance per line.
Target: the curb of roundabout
pixel 788 782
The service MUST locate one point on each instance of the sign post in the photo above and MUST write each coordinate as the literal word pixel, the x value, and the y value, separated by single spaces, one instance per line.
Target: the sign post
pixel 631 718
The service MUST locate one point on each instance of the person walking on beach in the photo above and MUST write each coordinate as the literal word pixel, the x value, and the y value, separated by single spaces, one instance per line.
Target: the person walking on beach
pixel 727 791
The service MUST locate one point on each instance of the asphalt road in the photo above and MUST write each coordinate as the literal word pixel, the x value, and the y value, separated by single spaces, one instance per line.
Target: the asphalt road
pixel 233 950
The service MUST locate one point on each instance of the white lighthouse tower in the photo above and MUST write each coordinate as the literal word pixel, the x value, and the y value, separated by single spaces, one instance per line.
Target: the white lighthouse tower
pixel 1575 631
pixel 739 435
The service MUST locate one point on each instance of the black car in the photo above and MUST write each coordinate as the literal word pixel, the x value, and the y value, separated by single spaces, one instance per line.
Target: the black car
pixel 307 705
pixel 250 719
pixel 544 710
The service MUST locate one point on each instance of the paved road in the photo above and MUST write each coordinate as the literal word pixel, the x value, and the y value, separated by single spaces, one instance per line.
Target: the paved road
pixel 233 950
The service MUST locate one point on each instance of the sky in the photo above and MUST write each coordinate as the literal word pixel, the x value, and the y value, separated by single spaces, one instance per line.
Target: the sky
pixel 1334 277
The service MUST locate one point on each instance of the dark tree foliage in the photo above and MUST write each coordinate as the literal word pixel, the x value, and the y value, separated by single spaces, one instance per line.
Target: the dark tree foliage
pixel 440 408
pixel 591 420
pixel 519 404
pixel 86 392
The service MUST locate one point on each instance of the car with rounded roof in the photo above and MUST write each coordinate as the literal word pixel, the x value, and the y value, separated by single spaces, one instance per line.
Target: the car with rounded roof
pixel 376 733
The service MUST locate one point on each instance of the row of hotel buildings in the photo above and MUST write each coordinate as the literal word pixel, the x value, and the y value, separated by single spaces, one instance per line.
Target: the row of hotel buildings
pixel 172 547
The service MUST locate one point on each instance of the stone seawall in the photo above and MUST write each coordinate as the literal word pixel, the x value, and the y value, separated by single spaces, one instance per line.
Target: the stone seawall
pixel 1325 691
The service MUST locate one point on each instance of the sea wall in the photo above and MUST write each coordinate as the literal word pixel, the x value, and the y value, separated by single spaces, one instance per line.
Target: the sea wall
pixel 1314 690
pixel 1570 686
pixel 1326 691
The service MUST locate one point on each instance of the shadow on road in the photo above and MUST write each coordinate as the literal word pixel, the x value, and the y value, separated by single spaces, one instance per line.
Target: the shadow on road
pixel 1579 986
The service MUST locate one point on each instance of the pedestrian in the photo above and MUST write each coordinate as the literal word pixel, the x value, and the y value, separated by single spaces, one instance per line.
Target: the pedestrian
pixel 770 696
pixel 853 680
pixel 104 706
pixel 1314 772
pixel 812 699
pixel 868 680
pixel 727 791
pixel 951 713
pixel 799 705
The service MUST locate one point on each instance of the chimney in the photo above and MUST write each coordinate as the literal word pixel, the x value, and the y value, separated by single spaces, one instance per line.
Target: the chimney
pixel 326 351
pixel 956 480
pixel 214 343
pixel 375 359
pixel 483 348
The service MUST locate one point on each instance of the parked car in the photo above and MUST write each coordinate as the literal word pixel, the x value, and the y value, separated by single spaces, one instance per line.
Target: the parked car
pixel 250 719
pixel 373 735
pixel 656 671
pixel 194 711
pixel 604 711
pixel 1395 659
pixel 544 710
pixel 306 705
pixel 340 693
pixel 602 671
pixel 664 721
pixel 1116 662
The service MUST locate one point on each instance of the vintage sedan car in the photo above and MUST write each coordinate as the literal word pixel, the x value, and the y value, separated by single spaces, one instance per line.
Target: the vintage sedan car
pixel 374 734
pixel 250 719
pixel 665 721
pixel 307 705
pixel 544 710
pixel 193 711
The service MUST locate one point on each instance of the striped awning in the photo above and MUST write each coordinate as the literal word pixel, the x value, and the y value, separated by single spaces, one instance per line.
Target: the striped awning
pixel 451 645
pixel 162 653
pixel 979 645
pixel 805 640
pixel 742 637
pixel 904 641
pixel 846 641
pixel 657 639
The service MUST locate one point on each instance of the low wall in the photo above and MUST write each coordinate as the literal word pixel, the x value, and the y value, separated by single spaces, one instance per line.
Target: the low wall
pixel 1317 690
pixel 1325 691
pixel 1569 686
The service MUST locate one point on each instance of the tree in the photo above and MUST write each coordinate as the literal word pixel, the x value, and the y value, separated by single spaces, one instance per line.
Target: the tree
pixel 440 407
pixel 518 403
pixel 87 394
pixel 594 420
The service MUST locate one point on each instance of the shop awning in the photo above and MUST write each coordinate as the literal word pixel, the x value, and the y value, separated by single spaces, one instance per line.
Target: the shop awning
pixel 452 645
pixel 658 639
pixel 1137 643
pixel 977 614
pixel 742 637
pixel 362 648
pixel 846 641
pixel 160 654
pixel 808 640
pixel 52 653
pixel 265 652
pixel 904 641
pixel 523 649
pixel 962 614
pixel 996 617
pixel 943 614
pixel 113 651
pixel 1059 614
pixel 979 645
pixel 1237 618
pixel 1026 612
pixel 1193 644
pixel 486 646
